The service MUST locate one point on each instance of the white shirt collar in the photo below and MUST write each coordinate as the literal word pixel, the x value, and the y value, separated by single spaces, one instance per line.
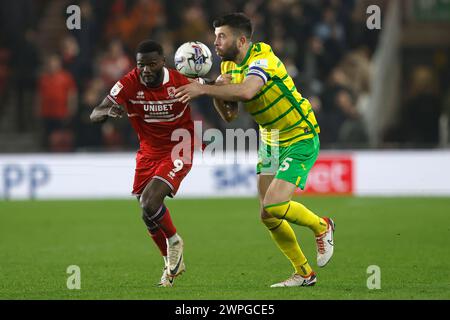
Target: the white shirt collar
pixel 166 76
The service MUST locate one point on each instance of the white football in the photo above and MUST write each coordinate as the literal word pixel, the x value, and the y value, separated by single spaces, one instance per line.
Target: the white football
pixel 193 59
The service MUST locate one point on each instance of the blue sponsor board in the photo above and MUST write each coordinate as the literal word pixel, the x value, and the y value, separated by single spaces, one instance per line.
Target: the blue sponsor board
pixel 234 176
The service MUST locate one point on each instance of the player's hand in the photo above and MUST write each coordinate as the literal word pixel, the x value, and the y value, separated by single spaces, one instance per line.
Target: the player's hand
pixel 188 92
pixel 223 79
pixel 116 111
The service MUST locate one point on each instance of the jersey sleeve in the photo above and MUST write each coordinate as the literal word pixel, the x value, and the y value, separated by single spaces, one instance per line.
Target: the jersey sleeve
pixel 119 92
pixel 262 65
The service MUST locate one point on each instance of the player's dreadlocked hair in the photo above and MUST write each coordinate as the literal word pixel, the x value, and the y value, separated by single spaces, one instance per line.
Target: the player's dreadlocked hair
pixel 147 46
pixel 237 21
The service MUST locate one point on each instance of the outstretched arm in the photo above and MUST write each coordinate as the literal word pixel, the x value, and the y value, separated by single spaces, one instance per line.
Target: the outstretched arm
pixel 106 109
pixel 230 92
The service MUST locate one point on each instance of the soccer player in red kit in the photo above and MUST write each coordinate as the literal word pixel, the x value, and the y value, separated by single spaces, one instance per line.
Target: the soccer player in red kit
pixel 147 93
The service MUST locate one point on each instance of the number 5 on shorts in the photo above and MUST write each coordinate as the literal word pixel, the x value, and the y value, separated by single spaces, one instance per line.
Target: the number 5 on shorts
pixel 285 164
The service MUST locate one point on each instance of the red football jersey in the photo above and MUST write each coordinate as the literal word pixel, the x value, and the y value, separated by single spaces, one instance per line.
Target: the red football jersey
pixel 154 112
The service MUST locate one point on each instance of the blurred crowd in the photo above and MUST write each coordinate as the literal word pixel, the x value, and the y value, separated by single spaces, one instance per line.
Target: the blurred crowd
pixel 59 75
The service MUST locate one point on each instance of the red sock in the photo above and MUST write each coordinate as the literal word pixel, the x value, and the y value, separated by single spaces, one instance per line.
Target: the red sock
pixel 166 224
pixel 160 239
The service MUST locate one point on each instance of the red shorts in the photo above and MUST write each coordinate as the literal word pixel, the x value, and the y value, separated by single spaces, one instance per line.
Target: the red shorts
pixel 172 172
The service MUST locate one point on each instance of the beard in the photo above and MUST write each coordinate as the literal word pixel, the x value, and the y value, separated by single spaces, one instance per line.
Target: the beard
pixel 154 81
pixel 230 54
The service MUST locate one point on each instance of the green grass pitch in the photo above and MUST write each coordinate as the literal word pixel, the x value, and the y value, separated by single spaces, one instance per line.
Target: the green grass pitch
pixel 228 252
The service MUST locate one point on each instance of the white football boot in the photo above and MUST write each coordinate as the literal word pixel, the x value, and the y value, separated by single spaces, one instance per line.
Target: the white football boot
pixel 325 244
pixel 166 280
pixel 297 280
pixel 175 256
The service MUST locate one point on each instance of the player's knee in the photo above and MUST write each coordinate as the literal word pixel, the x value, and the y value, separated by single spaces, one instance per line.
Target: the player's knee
pixel 275 196
pixel 150 205
pixel 269 221
pixel 263 214
pixel 277 210
pixel 150 225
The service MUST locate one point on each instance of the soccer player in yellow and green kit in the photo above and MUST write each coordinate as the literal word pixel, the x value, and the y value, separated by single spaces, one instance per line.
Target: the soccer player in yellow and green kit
pixel 289 146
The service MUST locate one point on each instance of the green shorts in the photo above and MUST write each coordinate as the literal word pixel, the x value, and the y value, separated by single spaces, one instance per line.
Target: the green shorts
pixel 292 163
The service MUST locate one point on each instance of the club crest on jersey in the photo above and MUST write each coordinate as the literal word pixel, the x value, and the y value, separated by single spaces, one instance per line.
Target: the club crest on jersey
pixel 140 95
pixel 116 89
pixel 171 92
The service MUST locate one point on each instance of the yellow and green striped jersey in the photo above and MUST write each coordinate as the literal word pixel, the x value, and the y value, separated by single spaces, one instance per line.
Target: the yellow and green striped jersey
pixel 284 117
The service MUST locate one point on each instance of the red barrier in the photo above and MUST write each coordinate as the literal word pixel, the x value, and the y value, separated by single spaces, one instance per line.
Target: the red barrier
pixel 331 174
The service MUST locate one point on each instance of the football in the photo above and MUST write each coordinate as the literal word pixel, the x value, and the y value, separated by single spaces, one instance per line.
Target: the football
pixel 193 59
